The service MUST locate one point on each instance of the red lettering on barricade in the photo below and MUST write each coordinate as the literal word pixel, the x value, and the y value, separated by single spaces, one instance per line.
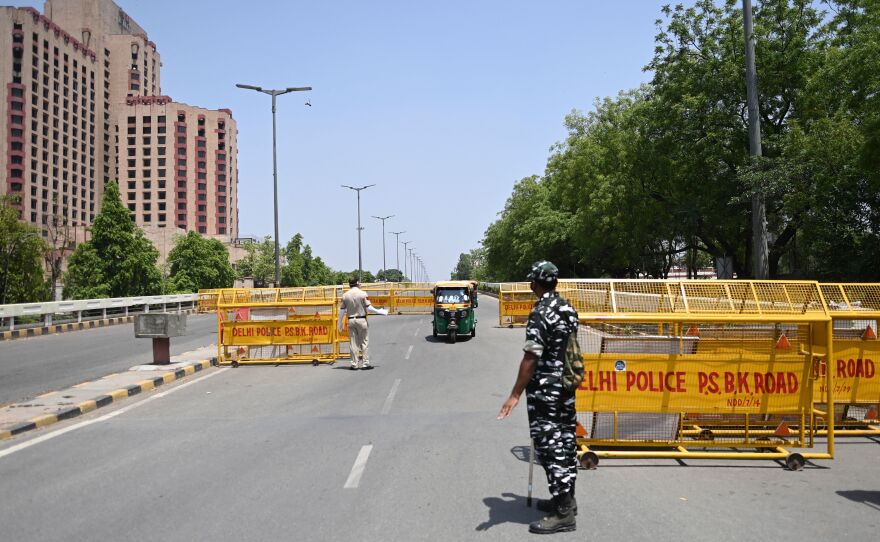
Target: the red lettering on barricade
pixel 854 368
pixel 708 383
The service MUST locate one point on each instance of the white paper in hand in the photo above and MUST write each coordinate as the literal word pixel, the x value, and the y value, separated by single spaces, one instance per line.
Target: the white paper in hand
pixel 374 310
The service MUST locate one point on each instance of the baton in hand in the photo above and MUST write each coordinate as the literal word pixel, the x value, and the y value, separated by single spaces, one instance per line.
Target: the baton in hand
pixel 531 470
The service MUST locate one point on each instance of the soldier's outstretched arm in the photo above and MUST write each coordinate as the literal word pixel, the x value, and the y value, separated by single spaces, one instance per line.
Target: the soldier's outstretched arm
pixel 526 370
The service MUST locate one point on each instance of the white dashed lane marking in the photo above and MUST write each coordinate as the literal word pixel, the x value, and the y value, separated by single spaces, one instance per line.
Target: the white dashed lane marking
pixel 386 408
pixel 357 470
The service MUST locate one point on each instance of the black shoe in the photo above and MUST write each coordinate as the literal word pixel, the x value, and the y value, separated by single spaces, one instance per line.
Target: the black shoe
pixel 366 367
pixel 353 368
pixel 547 505
pixel 560 520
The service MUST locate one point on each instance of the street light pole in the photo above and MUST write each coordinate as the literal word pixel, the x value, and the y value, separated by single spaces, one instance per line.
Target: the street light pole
pixel 384 266
pixel 397 246
pixel 405 275
pixel 760 261
pixel 275 94
pixel 360 229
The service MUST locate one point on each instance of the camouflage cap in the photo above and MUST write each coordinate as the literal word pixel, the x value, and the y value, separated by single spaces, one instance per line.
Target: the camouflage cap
pixel 543 271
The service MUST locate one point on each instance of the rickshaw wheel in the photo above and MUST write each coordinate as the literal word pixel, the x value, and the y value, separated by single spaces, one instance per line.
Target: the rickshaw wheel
pixel 434 330
pixel 474 331
pixel 453 336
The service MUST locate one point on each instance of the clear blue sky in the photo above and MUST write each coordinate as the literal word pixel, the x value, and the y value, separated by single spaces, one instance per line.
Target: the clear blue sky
pixel 443 105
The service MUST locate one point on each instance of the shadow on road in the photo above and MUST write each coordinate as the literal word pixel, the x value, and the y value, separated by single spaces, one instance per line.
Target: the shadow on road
pixel 444 339
pixel 509 508
pixel 521 453
pixel 870 498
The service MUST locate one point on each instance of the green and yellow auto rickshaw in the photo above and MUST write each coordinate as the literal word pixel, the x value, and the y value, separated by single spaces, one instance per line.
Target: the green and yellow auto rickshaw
pixel 454 304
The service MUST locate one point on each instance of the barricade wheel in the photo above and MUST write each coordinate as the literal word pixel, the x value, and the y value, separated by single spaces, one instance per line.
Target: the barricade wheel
pixel 589 460
pixel 234 364
pixel 795 462
pixel 315 362
pixel 707 434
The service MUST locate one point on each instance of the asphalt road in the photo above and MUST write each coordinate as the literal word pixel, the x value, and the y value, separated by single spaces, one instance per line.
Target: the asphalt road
pixel 32 366
pixel 408 451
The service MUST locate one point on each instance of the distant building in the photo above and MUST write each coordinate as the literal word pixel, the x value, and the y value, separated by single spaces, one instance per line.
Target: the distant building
pixel 83 107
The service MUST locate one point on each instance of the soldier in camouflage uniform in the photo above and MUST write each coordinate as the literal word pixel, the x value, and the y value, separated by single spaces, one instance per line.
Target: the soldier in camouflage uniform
pixel 551 409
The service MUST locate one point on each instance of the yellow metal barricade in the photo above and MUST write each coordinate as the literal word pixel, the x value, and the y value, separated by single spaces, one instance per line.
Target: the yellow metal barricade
pixel 277 325
pixel 413 298
pixel 675 368
pixel 855 310
pixel 515 302
pixel 208 301
pixel 381 296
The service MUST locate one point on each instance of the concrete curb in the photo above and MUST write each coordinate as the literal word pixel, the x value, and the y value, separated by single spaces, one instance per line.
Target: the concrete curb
pixel 65 412
pixel 63 328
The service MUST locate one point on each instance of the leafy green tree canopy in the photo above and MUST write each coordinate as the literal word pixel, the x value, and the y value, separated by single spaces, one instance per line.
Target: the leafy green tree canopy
pixel 197 263
pixel 21 252
pixel 118 261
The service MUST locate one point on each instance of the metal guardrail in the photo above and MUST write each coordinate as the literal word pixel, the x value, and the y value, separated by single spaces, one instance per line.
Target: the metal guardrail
pixel 87 309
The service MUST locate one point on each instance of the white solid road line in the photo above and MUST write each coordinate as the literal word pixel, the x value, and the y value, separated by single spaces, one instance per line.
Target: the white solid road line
pixel 18 447
pixel 357 470
pixel 386 408
pixel 408 352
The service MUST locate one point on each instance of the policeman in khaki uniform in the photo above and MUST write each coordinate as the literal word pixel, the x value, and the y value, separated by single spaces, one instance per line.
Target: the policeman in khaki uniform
pixel 355 303
pixel 551 410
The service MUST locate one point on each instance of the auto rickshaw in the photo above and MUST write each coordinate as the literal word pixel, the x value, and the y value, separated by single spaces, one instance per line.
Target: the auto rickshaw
pixel 454 304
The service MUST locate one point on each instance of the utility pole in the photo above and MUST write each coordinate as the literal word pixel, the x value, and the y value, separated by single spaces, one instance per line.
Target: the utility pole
pixel 760 260
pixel 384 266
pixel 360 229
pixel 404 259
pixel 275 94
pixel 396 235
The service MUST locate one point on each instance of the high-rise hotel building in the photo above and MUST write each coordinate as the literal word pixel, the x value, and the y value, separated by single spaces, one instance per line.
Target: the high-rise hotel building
pixel 82 106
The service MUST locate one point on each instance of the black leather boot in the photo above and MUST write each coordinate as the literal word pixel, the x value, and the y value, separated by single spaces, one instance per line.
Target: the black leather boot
pixel 547 505
pixel 560 520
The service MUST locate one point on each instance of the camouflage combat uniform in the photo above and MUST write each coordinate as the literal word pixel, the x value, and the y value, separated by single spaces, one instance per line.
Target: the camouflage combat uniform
pixel 551 409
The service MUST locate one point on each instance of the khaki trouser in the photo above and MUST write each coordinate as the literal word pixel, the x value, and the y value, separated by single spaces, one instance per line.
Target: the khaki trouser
pixel 358 341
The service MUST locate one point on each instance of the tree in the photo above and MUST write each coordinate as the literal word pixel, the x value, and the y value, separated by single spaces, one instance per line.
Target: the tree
pixel 390 275
pixel 21 249
pixel 661 175
pixel 259 263
pixel 292 274
pixel 61 238
pixel 464 268
pixel 199 263
pixel 118 261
